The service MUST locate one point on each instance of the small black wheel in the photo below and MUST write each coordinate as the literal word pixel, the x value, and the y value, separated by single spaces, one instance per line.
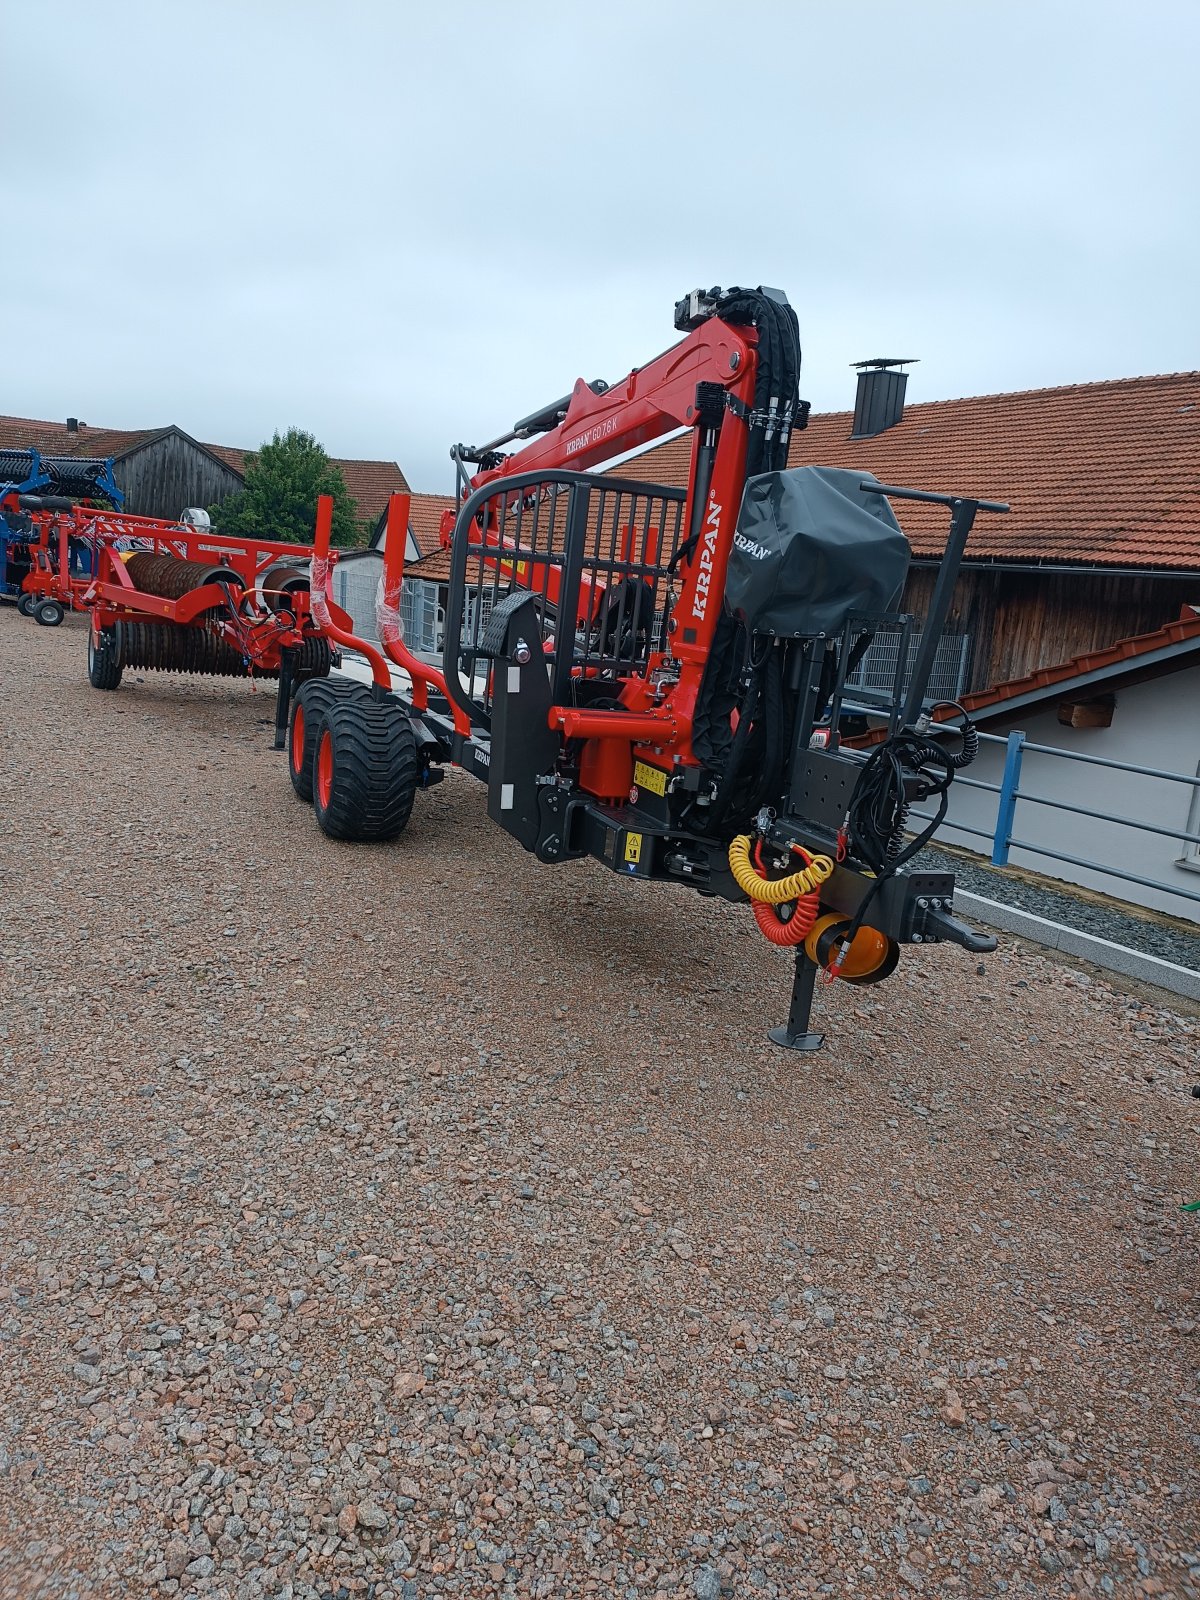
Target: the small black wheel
pixel 49 613
pixel 26 603
pixel 366 770
pixel 104 657
pixel 309 704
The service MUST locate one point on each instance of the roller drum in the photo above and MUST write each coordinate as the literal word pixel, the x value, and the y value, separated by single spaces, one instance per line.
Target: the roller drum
pixel 283 579
pixel 171 578
pixel 171 647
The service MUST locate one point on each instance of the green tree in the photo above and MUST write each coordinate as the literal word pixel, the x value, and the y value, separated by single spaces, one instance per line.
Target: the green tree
pixel 279 501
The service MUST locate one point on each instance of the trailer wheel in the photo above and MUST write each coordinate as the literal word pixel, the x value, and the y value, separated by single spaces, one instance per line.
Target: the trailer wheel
pixel 309 704
pixel 25 604
pixel 366 770
pixel 104 657
pixel 49 613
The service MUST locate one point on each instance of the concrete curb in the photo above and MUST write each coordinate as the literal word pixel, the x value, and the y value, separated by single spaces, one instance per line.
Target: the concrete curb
pixel 1055 936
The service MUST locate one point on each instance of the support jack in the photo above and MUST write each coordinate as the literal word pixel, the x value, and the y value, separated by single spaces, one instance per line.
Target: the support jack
pixel 283 697
pixel 795 1035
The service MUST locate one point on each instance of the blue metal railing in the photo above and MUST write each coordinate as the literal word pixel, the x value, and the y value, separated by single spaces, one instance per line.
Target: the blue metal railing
pixel 1009 791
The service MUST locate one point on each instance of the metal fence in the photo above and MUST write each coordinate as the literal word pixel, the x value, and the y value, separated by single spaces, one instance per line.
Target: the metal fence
pixel 355 581
pixel 1002 838
pixel 421 617
pixel 355 586
pixel 877 669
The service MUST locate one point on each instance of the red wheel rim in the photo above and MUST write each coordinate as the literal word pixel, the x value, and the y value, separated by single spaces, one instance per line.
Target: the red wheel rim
pixel 298 740
pixel 325 769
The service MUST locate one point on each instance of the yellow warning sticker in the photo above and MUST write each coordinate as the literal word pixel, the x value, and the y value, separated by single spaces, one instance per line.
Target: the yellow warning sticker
pixel 633 847
pixel 647 777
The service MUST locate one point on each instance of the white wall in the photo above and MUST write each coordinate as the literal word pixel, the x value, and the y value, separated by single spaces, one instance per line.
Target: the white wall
pixel 1155 724
pixel 411 553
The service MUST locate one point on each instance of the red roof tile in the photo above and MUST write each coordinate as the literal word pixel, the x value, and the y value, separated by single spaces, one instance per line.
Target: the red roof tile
pixel 425 524
pixel 370 483
pixel 230 456
pixel 433 568
pixel 53 439
pixel 1105 473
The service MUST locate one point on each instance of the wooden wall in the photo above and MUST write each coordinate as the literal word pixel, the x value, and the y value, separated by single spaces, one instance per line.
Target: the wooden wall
pixel 1019 621
pixel 169 473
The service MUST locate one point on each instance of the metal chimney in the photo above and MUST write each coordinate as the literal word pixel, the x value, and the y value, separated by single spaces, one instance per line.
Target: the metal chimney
pixel 879 403
pixel 72 424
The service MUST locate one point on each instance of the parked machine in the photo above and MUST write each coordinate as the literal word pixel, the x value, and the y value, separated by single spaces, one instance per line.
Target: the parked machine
pixel 656 676
pixel 176 597
pixel 32 487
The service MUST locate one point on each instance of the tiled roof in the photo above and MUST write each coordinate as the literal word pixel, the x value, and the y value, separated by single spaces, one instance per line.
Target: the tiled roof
pixel 433 568
pixel 231 457
pixel 1105 473
pixel 369 482
pixel 425 522
pixel 53 439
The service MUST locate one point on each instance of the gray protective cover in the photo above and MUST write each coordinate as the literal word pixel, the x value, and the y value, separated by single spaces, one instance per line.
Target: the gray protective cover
pixel 810 548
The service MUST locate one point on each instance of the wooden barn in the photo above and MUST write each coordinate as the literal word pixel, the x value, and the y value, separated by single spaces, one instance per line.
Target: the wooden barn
pixel 1103 539
pixel 162 470
pixel 1102 543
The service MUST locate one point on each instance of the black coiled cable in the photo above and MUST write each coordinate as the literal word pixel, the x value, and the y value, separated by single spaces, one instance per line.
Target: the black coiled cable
pixel 969 748
pixel 879 807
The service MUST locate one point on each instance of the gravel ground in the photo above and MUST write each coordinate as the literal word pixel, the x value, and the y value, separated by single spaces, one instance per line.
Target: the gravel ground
pixel 418 1220
pixel 1107 920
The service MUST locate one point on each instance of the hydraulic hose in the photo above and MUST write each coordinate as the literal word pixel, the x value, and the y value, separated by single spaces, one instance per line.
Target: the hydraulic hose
pixel 792 930
pixel 774 891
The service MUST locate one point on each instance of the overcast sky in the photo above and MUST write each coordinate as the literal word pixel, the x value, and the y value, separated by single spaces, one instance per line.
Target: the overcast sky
pixel 400 225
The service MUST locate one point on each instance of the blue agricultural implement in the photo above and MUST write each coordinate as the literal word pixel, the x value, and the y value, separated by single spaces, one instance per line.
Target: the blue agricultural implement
pixel 31 487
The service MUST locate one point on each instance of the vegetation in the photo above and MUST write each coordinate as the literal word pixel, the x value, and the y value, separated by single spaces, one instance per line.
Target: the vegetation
pixel 279 501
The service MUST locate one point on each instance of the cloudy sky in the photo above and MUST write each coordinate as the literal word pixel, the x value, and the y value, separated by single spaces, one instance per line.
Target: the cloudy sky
pixel 398 225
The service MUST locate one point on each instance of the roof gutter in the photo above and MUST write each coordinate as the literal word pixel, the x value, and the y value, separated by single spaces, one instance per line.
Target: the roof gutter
pixel 1077 569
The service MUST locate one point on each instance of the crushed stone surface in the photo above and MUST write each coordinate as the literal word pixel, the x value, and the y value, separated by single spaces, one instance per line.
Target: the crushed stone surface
pixel 1171 940
pixel 418 1220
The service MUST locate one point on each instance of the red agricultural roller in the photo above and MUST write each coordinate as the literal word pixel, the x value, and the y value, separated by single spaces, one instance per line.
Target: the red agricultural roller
pixel 168 597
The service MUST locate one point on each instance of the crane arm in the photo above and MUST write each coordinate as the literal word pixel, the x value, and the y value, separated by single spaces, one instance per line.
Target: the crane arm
pixel 651 401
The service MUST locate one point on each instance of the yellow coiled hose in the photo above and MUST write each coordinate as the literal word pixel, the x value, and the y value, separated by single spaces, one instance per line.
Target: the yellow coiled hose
pixel 774 890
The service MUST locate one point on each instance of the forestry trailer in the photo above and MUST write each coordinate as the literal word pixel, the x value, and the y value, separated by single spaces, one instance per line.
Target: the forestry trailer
pixel 657 676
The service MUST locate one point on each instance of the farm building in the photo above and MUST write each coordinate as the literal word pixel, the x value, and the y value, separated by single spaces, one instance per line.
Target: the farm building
pixel 162 470
pixel 1102 543
pixel 1074 617
pixel 1103 539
